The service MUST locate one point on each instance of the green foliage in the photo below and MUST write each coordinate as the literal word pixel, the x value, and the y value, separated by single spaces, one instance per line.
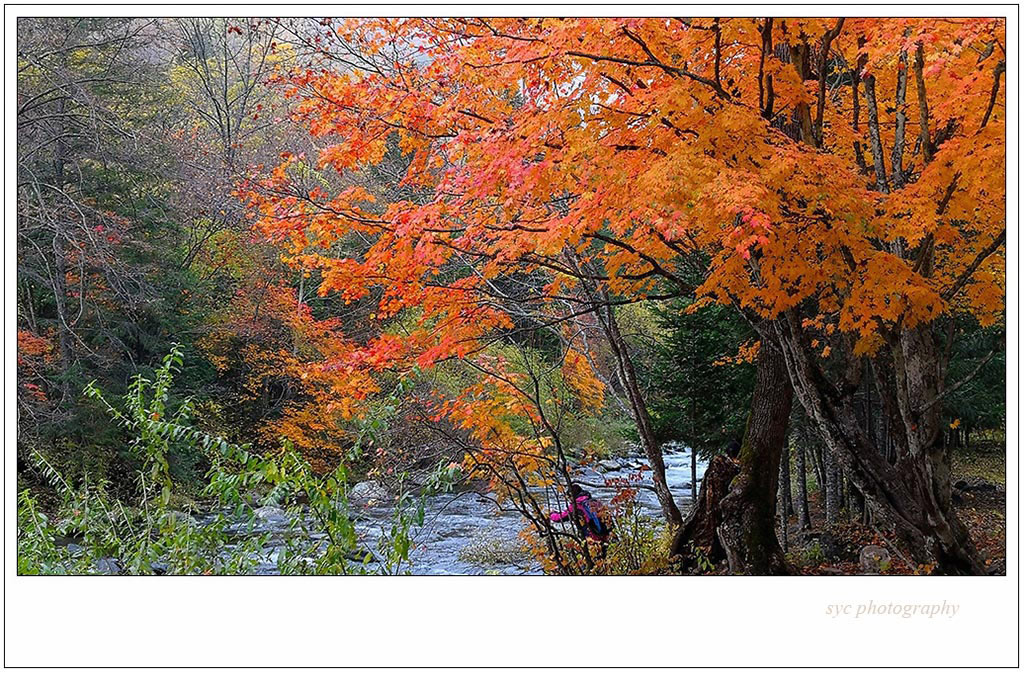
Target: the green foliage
pixel 813 554
pixel 148 536
pixel 599 436
pixel 979 404
pixel 639 543
pixel 395 546
pixel 115 170
pixel 701 559
pixel 696 395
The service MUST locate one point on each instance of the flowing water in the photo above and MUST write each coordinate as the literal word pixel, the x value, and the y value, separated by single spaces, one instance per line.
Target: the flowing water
pixel 457 524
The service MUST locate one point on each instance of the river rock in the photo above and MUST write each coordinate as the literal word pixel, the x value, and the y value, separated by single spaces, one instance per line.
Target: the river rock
pixel 272 517
pixel 107 565
pixel 829 547
pixel 874 559
pixel 977 484
pixel 368 489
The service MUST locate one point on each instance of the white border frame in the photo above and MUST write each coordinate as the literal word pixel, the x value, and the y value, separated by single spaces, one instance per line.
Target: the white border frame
pixel 545 622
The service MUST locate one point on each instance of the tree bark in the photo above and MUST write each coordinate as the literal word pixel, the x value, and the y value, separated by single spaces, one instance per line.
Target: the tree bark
pixel 831 488
pixel 818 464
pixel 645 428
pixel 901 122
pixel 747 531
pixel 693 475
pixel 60 259
pixel 701 525
pixel 877 155
pixel 802 504
pixel 783 522
pixel 785 487
pixel 637 406
pixel 922 105
pixel 801 61
pixel 914 494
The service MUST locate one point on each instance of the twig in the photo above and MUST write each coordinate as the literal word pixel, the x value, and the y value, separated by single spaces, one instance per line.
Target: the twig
pixel 962 382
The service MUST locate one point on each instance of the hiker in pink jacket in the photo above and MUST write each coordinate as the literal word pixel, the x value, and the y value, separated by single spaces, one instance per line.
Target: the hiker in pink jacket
pixel 587 511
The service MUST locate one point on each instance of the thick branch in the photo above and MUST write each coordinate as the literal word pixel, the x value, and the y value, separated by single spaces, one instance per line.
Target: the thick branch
pixel 826 45
pixel 881 183
pixel 952 389
pixel 653 62
pixel 922 104
pixel 765 84
pixel 901 122
pixel 1000 69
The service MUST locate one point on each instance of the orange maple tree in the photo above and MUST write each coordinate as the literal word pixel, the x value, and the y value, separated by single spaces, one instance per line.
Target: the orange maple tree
pixel 844 178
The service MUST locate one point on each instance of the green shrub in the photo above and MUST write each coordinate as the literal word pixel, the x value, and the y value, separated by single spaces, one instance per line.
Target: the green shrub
pixel 639 544
pixel 93 532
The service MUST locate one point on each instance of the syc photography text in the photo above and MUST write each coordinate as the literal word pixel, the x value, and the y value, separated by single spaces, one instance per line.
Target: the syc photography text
pixel 873 608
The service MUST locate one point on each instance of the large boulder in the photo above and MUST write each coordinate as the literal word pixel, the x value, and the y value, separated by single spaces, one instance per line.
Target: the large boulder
pixel 368 489
pixel 874 559
pixel 272 517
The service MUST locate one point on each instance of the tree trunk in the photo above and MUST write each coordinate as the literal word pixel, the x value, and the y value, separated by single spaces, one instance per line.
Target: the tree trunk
pixel 60 259
pixel 857 505
pixel 881 183
pixel 785 488
pixel 626 374
pixel 914 493
pixel 831 488
pixel 701 525
pixel 802 504
pixel 693 475
pixel 784 504
pixel 783 523
pixel 818 463
pixel 842 492
pixel 645 429
pixel 747 531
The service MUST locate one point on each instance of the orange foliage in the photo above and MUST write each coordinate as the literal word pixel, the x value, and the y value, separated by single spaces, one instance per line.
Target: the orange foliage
pixel 624 145
pixel 35 353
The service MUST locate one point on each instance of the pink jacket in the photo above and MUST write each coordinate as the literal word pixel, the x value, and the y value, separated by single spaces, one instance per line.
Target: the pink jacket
pixel 573 507
pixel 576 506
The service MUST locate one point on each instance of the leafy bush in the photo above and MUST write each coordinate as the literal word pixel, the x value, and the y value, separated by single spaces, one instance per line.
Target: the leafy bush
pixel 93 532
pixel 639 544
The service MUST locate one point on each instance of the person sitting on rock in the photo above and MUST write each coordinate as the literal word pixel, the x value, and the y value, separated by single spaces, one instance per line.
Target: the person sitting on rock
pixel 587 511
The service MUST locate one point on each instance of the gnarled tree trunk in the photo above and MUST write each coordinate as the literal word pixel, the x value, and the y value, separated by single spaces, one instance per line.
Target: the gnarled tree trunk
pixel 747 531
pixel 914 492
pixel 802 505
pixel 734 516
pixel 700 530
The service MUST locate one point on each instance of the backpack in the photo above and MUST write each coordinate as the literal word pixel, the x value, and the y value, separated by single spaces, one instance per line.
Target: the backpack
pixel 592 511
